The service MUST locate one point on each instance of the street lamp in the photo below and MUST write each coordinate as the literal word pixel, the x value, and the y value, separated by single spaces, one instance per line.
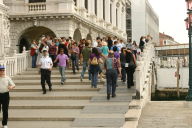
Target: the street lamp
pixel 189 28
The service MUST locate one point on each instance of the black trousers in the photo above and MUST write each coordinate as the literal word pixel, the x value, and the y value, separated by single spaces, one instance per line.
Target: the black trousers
pixel 130 72
pixel 4 102
pixel 45 77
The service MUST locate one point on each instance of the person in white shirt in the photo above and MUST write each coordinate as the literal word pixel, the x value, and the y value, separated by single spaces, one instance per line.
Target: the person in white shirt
pixel 6 84
pixel 95 44
pixel 45 64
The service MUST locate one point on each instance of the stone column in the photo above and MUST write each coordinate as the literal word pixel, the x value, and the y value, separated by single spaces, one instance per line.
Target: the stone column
pixel 107 11
pixel 100 9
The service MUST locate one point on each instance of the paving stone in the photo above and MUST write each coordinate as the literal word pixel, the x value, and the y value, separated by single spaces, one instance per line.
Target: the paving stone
pixel 101 122
pixel 166 115
pixel 106 109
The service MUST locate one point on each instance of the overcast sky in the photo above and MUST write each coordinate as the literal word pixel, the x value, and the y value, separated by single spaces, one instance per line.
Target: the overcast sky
pixel 171 18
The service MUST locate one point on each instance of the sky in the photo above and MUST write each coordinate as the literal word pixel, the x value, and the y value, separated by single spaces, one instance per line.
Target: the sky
pixel 171 18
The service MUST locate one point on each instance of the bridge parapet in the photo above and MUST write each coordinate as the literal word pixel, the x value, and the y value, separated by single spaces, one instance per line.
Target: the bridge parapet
pixel 17 63
pixel 144 72
pixel 144 81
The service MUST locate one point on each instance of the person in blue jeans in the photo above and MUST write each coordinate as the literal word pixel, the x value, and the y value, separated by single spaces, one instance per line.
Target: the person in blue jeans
pixel 94 61
pixel 85 54
pixel 62 58
pixel 112 65
pixel 33 53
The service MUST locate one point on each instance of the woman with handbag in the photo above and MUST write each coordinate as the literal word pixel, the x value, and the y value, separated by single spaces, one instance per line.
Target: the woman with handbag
pixel 94 61
pixel 130 66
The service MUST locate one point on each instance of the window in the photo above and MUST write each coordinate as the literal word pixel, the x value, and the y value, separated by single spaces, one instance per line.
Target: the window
pixel 36 1
pixel 116 17
pixel 111 13
pixel 75 1
pixel 86 4
pixel 104 9
pixel 95 7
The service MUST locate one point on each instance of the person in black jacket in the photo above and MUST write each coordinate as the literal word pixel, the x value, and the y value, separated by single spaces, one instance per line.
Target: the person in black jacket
pixel 142 43
pixel 130 66
pixel 62 46
pixel 123 61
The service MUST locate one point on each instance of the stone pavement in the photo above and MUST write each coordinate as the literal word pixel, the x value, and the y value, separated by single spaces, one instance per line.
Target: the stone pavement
pixel 166 114
pixel 73 105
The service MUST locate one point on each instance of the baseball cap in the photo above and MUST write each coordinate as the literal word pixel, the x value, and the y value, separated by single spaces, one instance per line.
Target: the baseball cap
pixel 2 67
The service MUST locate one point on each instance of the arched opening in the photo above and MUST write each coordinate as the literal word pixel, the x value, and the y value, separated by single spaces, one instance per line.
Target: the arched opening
pixel 33 33
pixel 77 35
pixel 89 37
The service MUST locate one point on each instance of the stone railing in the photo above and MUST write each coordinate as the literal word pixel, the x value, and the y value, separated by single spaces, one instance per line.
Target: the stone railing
pixel 37 7
pixel 143 72
pixel 145 79
pixel 17 63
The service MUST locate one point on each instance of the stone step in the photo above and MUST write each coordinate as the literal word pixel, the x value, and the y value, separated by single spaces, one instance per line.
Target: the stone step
pixel 54 68
pixel 39 124
pixel 60 88
pixel 54 82
pixel 54 72
pixel 72 95
pixel 48 104
pixel 43 114
pixel 37 76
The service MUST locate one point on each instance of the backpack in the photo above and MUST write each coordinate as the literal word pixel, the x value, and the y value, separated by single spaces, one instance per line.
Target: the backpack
pixel 94 61
pixel 109 63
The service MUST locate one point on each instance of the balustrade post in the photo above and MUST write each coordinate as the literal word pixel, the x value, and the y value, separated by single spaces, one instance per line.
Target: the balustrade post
pixel 15 62
pixel 138 79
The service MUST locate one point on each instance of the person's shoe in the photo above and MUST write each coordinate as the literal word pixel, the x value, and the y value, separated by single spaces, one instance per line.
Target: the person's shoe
pixel 5 126
pixel 114 95
pixel 128 86
pixel 108 96
pixel 62 83
pixel 50 89
pixel 44 92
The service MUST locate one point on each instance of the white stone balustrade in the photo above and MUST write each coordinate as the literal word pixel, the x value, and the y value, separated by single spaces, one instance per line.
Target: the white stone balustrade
pixel 37 7
pixel 143 73
pixel 17 63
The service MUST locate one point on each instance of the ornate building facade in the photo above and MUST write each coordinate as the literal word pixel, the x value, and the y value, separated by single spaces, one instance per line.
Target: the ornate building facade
pixel 4 29
pixel 30 19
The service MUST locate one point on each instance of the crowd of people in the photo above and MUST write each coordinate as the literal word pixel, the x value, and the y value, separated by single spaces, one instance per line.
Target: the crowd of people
pixel 110 57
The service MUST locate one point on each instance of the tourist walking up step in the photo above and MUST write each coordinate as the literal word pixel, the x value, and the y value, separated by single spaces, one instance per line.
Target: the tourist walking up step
pixel 62 58
pixel 6 84
pixel 111 66
pixel 45 69
pixel 130 66
pixel 142 43
pixel 94 61
pixel 85 54
pixel 123 61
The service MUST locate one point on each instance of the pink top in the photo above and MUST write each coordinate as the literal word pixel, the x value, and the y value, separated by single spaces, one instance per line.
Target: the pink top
pixel 62 59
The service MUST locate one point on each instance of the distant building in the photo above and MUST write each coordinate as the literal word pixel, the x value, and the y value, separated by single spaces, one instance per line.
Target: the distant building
pixel 165 39
pixel 144 20
pixel 88 19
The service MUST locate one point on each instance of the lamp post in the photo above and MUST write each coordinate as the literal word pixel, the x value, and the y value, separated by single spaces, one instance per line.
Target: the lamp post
pixel 189 28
